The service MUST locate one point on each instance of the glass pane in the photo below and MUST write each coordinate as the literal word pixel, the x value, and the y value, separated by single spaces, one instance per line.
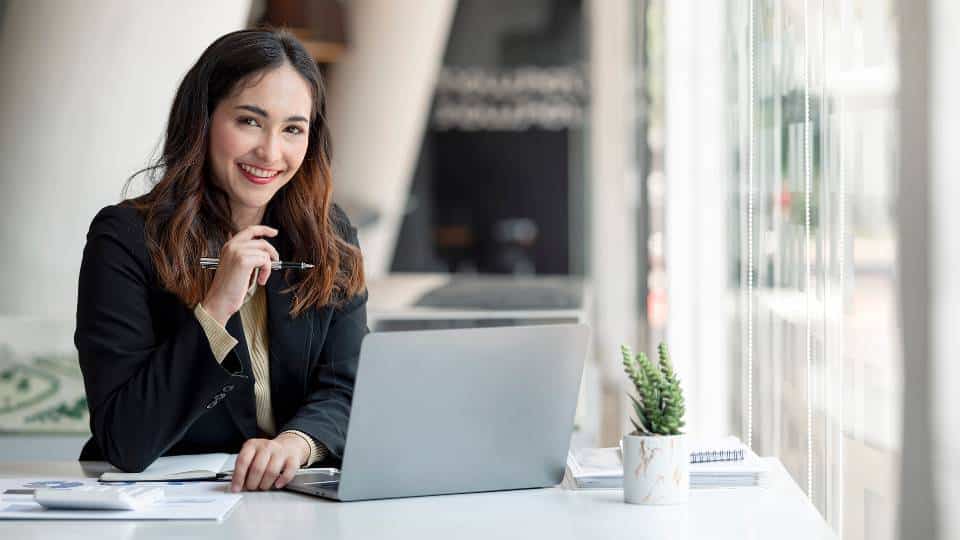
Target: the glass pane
pixel 812 93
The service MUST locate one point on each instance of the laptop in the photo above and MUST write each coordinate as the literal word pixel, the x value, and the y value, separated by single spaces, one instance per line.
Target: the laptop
pixel 458 411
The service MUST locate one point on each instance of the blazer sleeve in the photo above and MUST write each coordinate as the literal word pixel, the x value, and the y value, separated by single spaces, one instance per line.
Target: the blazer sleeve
pixel 326 411
pixel 143 392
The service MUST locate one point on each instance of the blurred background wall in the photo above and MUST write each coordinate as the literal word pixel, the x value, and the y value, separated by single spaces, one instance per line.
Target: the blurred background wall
pixel 388 72
pixel 85 88
pixel 81 88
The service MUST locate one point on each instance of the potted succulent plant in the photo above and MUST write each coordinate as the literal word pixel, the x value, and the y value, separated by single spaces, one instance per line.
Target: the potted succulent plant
pixel 655 457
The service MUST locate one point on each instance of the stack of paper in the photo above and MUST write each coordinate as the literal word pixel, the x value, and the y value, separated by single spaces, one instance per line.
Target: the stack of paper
pixel 602 468
pixel 596 468
pixel 182 501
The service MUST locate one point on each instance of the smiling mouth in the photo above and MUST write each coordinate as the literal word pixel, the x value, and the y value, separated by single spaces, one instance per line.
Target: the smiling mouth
pixel 257 175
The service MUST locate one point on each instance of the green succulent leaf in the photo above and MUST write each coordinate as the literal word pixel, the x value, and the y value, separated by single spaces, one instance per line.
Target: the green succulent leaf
pixel 659 405
pixel 641 422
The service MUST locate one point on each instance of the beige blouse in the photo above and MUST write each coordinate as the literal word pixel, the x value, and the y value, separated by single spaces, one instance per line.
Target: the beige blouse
pixel 253 313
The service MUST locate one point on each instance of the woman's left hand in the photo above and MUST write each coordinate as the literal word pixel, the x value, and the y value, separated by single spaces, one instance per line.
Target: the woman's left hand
pixel 264 464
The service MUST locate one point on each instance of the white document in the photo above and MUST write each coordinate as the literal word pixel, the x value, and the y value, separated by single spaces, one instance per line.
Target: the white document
pixel 187 467
pixel 183 501
pixel 595 462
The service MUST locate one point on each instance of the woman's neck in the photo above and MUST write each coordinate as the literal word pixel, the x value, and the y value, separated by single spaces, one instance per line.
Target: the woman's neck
pixel 245 217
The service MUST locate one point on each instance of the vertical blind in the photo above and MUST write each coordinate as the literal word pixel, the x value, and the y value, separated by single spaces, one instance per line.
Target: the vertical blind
pixel 812 120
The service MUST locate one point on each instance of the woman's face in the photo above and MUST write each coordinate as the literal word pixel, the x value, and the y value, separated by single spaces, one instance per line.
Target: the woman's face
pixel 258 138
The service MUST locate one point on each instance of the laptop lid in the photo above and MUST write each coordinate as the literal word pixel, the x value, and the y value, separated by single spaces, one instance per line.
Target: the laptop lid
pixel 465 410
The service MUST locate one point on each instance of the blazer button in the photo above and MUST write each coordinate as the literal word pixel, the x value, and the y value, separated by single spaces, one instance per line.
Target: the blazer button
pixel 228 388
pixel 212 404
pixel 219 396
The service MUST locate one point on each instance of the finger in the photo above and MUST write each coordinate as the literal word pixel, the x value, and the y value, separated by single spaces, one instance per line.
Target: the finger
pixel 268 247
pixel 253 258
pixel 290 468
pixel 242 465
pixel 274 469
pixel 261 245
pixel 237 241
pixel 248 265
pixel 257 468
pixel 257 263
pixel 265 269
pixel 254 231
pixel 255 278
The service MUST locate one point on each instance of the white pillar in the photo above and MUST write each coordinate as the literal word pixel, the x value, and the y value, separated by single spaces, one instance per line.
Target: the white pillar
pixel 928 258
pixel 379 102
pixel 85 89
pixel 696 201
pixel 945 170
pixel 613 194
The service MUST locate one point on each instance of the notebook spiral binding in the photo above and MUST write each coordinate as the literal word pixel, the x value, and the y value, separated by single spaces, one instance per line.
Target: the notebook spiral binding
pixel 733 454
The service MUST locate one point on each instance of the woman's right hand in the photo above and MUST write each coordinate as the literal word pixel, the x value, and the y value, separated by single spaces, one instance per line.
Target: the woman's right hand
pixel 245 252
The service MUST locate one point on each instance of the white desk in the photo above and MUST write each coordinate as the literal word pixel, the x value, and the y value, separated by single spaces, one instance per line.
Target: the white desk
pixel 780 511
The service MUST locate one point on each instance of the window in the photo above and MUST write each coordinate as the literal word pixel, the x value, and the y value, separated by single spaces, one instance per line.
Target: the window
pixel 813 143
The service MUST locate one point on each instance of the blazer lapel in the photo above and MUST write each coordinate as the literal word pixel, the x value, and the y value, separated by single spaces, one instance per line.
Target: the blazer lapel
pixel 288 345
pixel 241 403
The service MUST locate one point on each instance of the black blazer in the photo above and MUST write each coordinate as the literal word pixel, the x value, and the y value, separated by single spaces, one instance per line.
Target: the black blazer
pixel 153 386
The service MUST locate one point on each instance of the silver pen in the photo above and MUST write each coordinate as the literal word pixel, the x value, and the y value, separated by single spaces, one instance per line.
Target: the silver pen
pixel 329 471
pixel 212 262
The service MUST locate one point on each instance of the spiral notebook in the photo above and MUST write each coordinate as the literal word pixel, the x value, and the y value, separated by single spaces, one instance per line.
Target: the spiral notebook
pixel 726 449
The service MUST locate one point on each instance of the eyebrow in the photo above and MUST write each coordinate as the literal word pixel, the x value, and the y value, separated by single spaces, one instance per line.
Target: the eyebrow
pixel 257 110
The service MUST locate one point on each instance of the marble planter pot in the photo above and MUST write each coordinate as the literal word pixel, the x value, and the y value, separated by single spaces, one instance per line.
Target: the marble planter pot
pixel 656 469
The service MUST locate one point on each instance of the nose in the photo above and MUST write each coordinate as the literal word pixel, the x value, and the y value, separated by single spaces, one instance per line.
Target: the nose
pixel 269 149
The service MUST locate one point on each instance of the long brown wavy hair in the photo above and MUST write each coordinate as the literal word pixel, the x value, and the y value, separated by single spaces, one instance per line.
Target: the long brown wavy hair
pixel 188 216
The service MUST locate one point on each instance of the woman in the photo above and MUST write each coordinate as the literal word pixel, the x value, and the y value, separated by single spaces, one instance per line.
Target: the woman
pixel 177 359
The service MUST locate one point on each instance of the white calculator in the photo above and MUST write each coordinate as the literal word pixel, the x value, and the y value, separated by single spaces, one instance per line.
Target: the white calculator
pixel 98 497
